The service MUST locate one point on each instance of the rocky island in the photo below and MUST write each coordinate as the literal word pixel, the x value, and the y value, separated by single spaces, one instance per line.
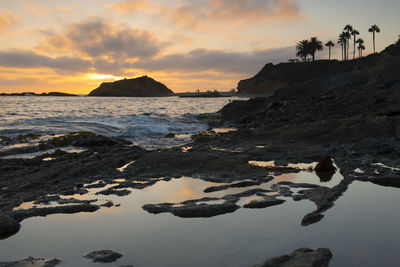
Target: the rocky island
pixel 139 87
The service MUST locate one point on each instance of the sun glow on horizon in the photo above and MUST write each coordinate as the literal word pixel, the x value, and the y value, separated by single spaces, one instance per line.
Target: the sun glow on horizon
pixel 96 76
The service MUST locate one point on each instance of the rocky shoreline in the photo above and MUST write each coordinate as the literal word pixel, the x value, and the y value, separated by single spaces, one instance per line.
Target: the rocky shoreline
pixel 357 126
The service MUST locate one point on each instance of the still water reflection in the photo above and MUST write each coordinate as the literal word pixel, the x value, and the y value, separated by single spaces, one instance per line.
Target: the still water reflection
pixel 361 230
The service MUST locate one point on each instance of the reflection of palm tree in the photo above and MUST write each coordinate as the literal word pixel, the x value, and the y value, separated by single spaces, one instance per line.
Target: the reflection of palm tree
pixel 348 29
pixel 374 29
pixel 315 45
pixel 360 43
pixel 329 44
pixel 354 32
pixel 303 49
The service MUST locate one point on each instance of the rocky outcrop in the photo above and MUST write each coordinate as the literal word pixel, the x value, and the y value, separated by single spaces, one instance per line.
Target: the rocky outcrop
pixel 32 262
pixel 306 77
pixel 139 87
pixel 302 257
pixel 104 256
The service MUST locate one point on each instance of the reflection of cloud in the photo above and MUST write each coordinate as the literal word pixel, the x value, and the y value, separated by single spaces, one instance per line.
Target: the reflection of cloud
pixel 96 38
pixel 7 21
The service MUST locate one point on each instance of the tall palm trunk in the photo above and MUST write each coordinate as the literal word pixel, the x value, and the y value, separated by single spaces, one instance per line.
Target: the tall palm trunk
pixel 342 52
pixel 373 37
pixel 329 53
pixel 354 50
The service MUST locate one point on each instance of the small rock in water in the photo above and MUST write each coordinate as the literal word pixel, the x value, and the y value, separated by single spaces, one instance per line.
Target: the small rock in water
pixel 302 257
pixel 170 135
pixel 325 169
pixel 32 262
pixel 104 256
pixel 325 165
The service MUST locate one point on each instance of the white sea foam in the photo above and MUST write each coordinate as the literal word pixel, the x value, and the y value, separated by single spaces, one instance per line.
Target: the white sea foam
pixel 145 121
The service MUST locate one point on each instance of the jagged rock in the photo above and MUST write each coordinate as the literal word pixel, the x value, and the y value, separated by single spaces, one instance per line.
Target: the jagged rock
pixel 263 203
pixel 139 87
pixel 104 256
pixel 302 257
pixel 32 262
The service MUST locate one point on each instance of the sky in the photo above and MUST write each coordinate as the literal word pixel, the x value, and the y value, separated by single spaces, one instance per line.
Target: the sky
pixel 74 45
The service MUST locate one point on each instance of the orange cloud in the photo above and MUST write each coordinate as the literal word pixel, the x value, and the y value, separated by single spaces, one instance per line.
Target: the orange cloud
pixel 203 12
pixel 131 6
pixel 7 21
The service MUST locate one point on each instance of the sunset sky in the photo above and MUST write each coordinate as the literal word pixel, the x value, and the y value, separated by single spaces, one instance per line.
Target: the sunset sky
pixel 72 46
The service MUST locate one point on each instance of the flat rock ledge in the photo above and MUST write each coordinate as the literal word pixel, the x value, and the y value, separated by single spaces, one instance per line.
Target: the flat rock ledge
pixel 104 256
pixel 31 262
pixel 302 257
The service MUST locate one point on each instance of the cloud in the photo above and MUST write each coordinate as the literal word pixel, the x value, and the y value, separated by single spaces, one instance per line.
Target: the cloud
pixel 30 59
pixel 217 60
pixel 202 12
pixel 131 6
pixel 95 38
pixel 7 21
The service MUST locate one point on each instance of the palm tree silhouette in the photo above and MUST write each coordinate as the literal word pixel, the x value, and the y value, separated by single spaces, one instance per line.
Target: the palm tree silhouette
pixel 374 29
pixel 315 45
pixel 360 43
pixel 348 29
pixel 329 44
pixel 361 47
pixel 303 49
pixel 354 32
pixel 342 42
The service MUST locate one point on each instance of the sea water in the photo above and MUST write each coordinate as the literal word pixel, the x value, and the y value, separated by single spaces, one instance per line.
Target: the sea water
pixel 142 120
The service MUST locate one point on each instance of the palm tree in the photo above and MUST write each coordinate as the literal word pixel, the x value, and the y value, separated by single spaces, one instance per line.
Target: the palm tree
pixel 361 47
pixel 347 37
pixel 329 44
pixel 315 45
pixel 374 29
pixel 360 43
pixel 354 32
pixel 348 29
pixel 342 42
pixel 303 49
pixel 398 42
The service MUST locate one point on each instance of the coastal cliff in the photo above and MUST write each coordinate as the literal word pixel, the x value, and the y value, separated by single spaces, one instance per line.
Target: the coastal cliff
pixel 308 76
pixel 139 87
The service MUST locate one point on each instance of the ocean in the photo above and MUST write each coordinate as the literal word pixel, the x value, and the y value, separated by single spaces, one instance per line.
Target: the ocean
pixel 144 121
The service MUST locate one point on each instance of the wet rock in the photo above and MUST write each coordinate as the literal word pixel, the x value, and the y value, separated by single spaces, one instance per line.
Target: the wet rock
pixel 108 204
pixel 204 210
pixel 263 203
pixel 112 191
pixel 325 169
pixel 192 210
pixel 170 135
pixel 312 218
pixel 23 214
pixel 32 262
pixel 302 257
pixel 325 165
pixel 234 185
pixel 392 181
pixel 104 256
pixel 8 225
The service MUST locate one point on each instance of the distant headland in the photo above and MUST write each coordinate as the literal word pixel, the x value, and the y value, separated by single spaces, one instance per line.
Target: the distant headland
pixel 35 94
